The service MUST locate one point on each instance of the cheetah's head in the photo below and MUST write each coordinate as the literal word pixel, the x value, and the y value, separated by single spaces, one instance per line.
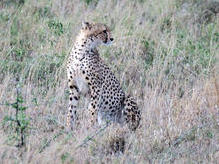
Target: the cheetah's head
pixel 98 33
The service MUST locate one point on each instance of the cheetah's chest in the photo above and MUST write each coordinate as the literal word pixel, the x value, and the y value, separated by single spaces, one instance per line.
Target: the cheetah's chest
pixel 79 77
pixel 81 84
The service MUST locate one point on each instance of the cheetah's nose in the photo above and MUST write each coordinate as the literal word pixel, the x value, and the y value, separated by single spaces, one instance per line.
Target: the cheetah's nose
pixel 111 39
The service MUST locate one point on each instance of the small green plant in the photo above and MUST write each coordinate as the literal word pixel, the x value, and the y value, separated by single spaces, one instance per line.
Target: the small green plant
pixel 18 124
pixel 64 156
pixel 4 17
pixel 209 134
pixel 17 3
pixel 142 1
pixel 14 27
pixel 56 27
pixel 90 1
pixel 44 12
pixel 18 54
pixel 166 24
pixel 148 50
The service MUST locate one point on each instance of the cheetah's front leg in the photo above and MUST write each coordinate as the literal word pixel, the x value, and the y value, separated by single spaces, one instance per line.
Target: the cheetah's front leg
pixel 73 102
pixel 92 108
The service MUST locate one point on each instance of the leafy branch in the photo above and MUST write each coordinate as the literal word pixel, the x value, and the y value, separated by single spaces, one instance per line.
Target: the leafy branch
pixel 19 123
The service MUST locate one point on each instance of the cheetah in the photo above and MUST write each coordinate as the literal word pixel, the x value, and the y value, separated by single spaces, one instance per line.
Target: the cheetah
pixel 88 74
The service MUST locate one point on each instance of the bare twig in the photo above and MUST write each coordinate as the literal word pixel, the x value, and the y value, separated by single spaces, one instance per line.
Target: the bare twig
pixel 49 141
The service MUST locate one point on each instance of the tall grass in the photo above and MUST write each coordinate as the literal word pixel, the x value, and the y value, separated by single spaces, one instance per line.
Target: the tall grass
pixel 165 54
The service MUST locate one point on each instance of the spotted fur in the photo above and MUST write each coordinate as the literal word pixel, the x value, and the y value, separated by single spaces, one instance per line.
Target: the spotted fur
pixel 88 74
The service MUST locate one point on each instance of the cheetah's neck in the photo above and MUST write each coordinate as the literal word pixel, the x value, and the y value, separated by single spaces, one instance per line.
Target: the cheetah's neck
pixel 83 46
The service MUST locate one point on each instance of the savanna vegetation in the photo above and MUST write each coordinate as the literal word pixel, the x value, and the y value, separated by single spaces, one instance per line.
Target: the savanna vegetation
pixel 165 54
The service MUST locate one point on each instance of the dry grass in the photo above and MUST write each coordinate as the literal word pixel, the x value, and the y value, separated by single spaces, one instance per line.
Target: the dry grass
pixel 163 55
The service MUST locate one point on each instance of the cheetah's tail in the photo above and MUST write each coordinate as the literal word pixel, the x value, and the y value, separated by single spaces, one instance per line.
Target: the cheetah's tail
pixel 131 113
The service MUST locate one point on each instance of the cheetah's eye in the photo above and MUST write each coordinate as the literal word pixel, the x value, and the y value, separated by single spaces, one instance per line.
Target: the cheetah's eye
pixel 104 31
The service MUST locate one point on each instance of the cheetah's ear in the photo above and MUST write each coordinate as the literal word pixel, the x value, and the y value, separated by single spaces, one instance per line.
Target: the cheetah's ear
pixel 85 25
